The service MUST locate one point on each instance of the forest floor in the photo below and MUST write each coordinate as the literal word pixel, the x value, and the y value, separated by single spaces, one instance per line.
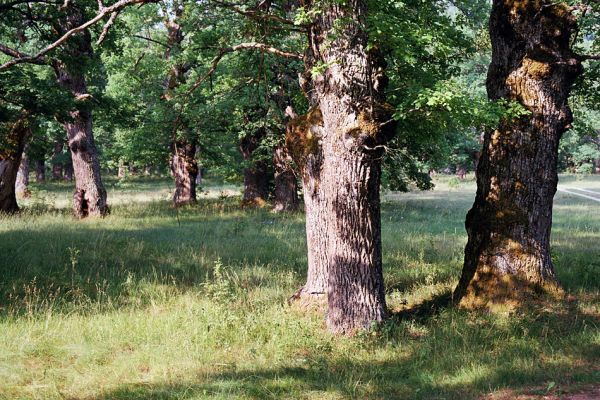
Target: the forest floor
pixel 155 303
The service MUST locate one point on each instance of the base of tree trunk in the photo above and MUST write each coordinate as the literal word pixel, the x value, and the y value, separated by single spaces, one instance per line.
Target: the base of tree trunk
pixel 184 168
pixel 307 301
pixel 492 291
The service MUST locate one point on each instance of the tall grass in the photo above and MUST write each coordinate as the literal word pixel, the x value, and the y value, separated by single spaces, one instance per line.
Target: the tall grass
pixel 154 303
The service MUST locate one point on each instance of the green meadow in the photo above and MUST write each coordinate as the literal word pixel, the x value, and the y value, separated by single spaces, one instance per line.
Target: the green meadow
pixel 155 302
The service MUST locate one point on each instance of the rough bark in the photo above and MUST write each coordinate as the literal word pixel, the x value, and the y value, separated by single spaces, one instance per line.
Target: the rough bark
pixel 185 170
pixel 10 160
pixel 356 125
pixel 184 165
pixel 303 140
pixel 89 198
pixel 256 174
pixel 286 184
pixel 507 256
pixel 57 167
pixel 22 183
pixel 40 171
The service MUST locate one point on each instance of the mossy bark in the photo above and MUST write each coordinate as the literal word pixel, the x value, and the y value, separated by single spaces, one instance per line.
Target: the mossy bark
pixel 508 252
pixel 303 139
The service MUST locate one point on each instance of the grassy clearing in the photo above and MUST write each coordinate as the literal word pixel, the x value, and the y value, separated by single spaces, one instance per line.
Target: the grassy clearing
pixel 151 303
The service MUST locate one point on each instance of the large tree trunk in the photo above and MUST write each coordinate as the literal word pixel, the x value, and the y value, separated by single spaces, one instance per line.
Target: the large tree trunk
pixel 303 142
pixel 508 253
pixel 57 166
pixel 356 125
pixel 22 183
pixel 256 174
pixel 185 170
pixel 286 184
pixel 10 160
pixel 89 198
pixel 40 171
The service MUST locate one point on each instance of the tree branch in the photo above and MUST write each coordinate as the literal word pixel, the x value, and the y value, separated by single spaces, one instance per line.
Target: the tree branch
pixel 118 6
pixel 109 23
pixel 17 54
pixel 152 40
pixel 243 46
pixel 253 14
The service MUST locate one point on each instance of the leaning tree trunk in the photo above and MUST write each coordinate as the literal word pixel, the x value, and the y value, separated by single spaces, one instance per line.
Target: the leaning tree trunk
pixel 508 253
pixel 303 140
pixel 356 126
pixel 286 184
pixel 22 184
pixel 184 164
pixel 89 198
pixel 10 160
pixel 185 170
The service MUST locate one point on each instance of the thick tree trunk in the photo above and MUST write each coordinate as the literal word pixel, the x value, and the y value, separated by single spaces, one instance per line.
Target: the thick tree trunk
pixel 256 175
pixel 286 184
pixel 57 166
pixel 22 183
pixel 89 198
pixel 303 142
pixel 508 253
pixel 40 171
pixel 356 125
pixel 185 170
pixel 10 160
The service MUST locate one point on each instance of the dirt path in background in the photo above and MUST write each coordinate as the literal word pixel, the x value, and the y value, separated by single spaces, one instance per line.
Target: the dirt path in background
pixel 594 196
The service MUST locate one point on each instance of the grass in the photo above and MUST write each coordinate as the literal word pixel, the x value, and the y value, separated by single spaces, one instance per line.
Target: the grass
pixel 151 303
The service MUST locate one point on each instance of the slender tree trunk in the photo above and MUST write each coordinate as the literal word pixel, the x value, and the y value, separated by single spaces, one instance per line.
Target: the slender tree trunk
pixel 286 184
pixel 184 165
pixel 40 171
pixel 10 160
pixel 185 170
pixel 22 184
pixel 89 198
pixel 303 142
pixel 356 126
pixel 68 172
pixel 256 175
pixel 57 167
pixel 508 253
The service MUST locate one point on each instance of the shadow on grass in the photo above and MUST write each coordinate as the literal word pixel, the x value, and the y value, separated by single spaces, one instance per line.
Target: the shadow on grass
pixel 464 356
